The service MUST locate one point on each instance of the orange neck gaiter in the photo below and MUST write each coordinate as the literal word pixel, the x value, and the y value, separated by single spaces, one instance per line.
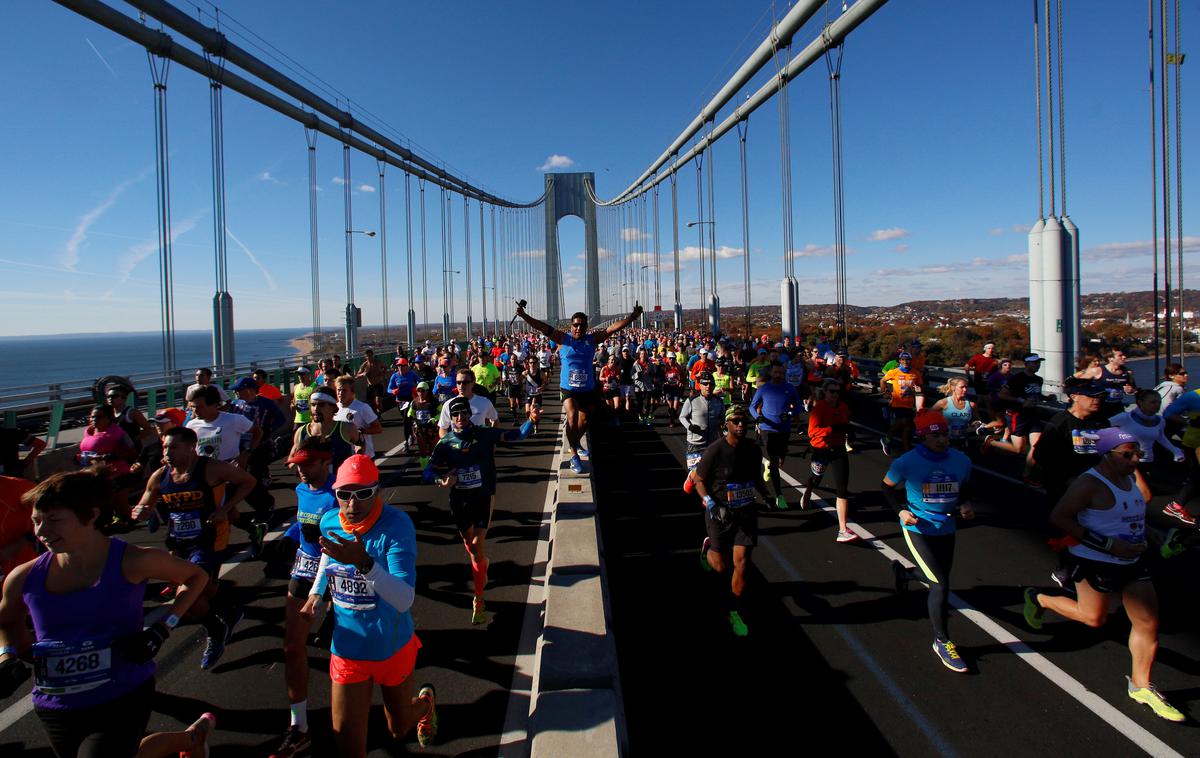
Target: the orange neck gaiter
pixel 364 526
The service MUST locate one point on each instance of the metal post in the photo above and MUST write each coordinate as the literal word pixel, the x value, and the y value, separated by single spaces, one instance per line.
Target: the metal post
pixel 383 250
pixel 222 337
pixel 675 247
pixel 412 314
pixel 351 310
pixel 310 137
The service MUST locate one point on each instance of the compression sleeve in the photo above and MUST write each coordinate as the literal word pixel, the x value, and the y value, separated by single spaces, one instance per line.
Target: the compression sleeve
pixel 520 433
pixel 322 579
pixel 393 589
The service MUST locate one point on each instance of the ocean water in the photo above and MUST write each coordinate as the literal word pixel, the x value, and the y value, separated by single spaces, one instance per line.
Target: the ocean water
pixel 1143 371
pixel 68 357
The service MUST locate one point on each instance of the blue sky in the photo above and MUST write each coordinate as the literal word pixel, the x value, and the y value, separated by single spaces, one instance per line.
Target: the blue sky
pixel 940 169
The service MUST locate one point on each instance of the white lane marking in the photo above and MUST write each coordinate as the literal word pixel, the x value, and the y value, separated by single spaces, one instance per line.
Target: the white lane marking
pixel 523 690
pixel 1135 732
pixel 23 707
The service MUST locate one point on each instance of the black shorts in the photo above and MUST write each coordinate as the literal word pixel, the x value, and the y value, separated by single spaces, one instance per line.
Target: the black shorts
pixel 902 414
pixel 471 509
pixel 1022 423
pixel 584 399
pixel 1108 577
pixel 534 400
pixel 299 588
pixel 775 443
pixel 104 730
pixel 515 391
pixel 612 394
pixel 740 528
pixel 836 463
pixel 672 392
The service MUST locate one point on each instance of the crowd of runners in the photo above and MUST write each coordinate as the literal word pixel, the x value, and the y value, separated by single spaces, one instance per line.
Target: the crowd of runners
pixel 73 618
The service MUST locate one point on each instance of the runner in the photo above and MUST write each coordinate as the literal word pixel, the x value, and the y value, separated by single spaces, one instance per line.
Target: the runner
pixel 1144 423
pixel 936 479
pixel 725 479
pixel 343 436
pixel 465 462
pixel 358 413
pixel 1181 507
pixel 961 414
pixel 196 497
pixel 18 543
pixel 514 385
pixel 204 379
pixel 1018 396
pixel 265 415
pixel 535 382
pixel 1119 380
pixel 265 388
pixel 300 396
pixel 828 423
pixel 422 417
pixel 84 596
pixel 1105 511
pixel 314 498
pixel 610 383
pixel 774 406
pixel 375 374
pixel 577 380
pixel 979 367
pixel 369 556
pixel 906 398
pixel 643 373
pixel 703 416
pixel 487 376
pixel 443 384
pixel 1174 384
pixel 483 413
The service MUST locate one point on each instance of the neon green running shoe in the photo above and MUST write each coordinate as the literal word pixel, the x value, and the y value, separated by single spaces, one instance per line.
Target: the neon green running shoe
pixel 1033 611
pixel 739 627
pixel 766 471
pixel 1153 698
pixel 478 613
pixel 1172 546
pixel 427 726
pixel 781 502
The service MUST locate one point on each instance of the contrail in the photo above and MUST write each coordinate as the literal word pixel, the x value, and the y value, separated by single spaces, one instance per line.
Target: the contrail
pixel 266 274
pixel 101 57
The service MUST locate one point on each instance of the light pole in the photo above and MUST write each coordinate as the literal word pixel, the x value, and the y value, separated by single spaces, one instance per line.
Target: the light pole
pixel 714 301
pixel 445 313
pixel 353 313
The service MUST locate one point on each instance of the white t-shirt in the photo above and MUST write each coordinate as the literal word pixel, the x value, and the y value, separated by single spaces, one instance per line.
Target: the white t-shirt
pixel 221 438
pixel 220 391
pixel 481 411
pixel 361 415
pixel 544 358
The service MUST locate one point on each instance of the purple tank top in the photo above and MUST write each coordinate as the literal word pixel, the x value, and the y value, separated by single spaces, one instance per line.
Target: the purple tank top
pixel 75 665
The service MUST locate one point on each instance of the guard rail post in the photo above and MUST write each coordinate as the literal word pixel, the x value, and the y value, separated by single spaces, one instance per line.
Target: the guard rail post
pixel 10 419
pixel 151 402
pixel 56 417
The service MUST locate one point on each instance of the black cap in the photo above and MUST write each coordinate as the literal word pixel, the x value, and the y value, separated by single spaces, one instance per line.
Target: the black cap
pixel 459 405
pixel 1087 388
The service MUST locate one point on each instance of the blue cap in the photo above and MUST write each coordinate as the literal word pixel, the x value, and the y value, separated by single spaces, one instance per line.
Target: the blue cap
pixel 1110 438
pixel 245 383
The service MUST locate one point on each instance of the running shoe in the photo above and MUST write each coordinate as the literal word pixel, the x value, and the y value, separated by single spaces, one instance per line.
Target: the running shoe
pixel 576 464
pixel 1062 577
pixel 948 654
pixel 704 564
pixel 258 533
pixel 214 648
pixel 781 502
pixel 899 576
pixel 1033 611
pixel 1153 698
pixel 294 742
pixel 1172 545
pixel 737 625
pixel 845 535
pixel 201 730
pixel 849 447
pixel 805 498
pixel 584 453
pixel 478 612
pixel 427 726
pixel 1176 510
pixel 886 445
pixel 423 461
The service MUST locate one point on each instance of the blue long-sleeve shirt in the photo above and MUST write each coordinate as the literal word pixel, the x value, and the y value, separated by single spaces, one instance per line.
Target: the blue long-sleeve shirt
pixel 773 406
pixel 401 386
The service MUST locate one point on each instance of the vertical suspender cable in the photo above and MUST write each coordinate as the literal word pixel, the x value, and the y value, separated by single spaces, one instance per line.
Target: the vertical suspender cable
pixel 1050 109
pixel 444 267
pixel 482 274
pixel 1178 63
pixel 1037 90
pixel 495 274
pixel 310 137
pixel 411 326
pixel 450 255
pixel 467 260
pixel 657 265
pixel 162 175
pixel 1153 184
pixel 223 346
pixel 1166 175
pixel 424 260
pixel 834 67
pixel 743 128
pixel 700 230
pixel 351 319
pixel 383 248
pixel 675 247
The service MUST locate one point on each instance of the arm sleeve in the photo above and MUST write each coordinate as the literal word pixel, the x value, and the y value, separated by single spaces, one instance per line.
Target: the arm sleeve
pixel 322 578
pixel 685 412
pixel 395 582
pixel 394 590
pixel 1168 444
pixel 755 402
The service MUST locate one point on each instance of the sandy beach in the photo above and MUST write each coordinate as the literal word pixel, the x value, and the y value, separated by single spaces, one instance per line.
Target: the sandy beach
pixel 303 345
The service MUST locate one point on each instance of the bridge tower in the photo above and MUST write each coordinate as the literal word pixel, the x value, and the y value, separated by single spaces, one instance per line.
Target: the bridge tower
pixel 567 195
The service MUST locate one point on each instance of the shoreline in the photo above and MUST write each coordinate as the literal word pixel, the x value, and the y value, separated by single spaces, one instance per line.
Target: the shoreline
pixel 303 345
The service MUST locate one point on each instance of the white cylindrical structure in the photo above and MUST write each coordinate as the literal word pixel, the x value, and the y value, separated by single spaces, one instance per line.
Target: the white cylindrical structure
pixel 1035 286
pixel 412 327
pixel 678 317
pixel 714 315
pixel 787 306
pixel 1055 351
pixel 1074 299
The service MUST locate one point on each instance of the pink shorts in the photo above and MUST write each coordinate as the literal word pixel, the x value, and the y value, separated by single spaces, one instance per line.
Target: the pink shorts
pixel 389 672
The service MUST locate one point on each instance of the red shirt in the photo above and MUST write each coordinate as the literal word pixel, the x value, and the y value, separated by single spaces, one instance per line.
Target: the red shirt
pixel 270 392
pixel 982 366
pixel 822 422
pixel 15 521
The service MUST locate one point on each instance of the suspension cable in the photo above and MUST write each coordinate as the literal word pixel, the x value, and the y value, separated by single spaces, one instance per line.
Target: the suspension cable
pixel 310 138
pixel 675 240
pixel 1153 182
pixel 467 259
pixel 743 131
pixel 700 227
pixel 1037 89
pixel 482 274
pixel 495 274
pixel 712 218
pixel 159 68
pixel 657 261
pixel 1050 109
pixel 1166 175
pixel 834 67
pixel 383 247
pixel 412 338
pixel 1062 119
pixel 1178 62
pixel 424 260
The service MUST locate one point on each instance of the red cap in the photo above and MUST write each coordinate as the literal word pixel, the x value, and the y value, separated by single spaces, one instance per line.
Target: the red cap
pixel 931 422
pixel 402 361
pixel 308 454
pixel 357 469
pixel 170 415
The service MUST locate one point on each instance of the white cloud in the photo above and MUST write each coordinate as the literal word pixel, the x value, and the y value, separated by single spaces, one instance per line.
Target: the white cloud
pixel 529 254
pixel 633 234
pixel 265 176
pixel 692 252
pixel 1113 250
pixel 1021 228
pixel 556 161
pixel 365 188
pixel 270 280
pixel 813 251
pixel 70 257
pixel 996 231
pixel 883 235
pixel 338 180
pixel 902 248
pixel 570 281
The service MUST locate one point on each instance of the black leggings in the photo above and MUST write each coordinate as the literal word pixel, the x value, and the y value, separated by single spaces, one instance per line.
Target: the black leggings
pixel 834 462
pixel 1190 485
pixel 109 730
pixel 934 557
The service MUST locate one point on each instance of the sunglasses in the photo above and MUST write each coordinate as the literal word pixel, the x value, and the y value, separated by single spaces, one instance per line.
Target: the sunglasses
pixel 578 324
pixel 736 421
pixel 366 493
pixel 461 414
pixel 1128 454
pixel 461 382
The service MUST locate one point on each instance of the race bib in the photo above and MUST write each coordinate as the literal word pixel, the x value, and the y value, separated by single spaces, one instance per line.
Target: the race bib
pixel 350 590
pixel 63 668
pixel 577 379
pixel 423 416
pixel 185 525
pixel 1083 441
pixel 939 489
pixel 469 478
pixel 818 468
pixel 301 406
pixel 739 494
pixel 88 457
pixel 1116 394
pixel 209 446
pixel 305 566
pixel 693 460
